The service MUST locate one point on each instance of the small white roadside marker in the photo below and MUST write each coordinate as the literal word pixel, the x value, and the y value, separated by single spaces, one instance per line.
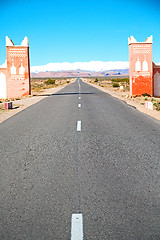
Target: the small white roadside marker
pixel 79 105
pixel 78 126
pixel 77 227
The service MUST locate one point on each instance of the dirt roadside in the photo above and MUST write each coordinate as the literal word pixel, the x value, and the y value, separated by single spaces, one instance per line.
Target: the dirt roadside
pixel 130 101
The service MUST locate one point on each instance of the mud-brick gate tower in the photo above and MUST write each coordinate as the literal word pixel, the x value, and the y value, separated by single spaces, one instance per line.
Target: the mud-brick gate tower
pixel 15 78
pixel 18 75
pixel 140 66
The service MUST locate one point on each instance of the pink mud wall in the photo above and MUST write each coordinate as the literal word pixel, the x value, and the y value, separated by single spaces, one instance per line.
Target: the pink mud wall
pixel 156 78
pixel 4 71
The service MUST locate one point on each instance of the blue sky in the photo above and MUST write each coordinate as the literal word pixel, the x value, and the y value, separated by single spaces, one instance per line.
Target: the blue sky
pixel 79 30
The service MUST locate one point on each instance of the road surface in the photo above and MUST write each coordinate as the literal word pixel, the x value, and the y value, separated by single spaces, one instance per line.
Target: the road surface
pixel 80 164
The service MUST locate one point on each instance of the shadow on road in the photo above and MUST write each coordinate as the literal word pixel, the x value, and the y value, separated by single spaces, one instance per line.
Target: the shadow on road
pixel 14 108
pixel 60 94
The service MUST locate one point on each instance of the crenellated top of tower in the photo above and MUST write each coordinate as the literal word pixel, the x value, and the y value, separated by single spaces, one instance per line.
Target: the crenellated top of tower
pixel 25 42
pixel 9 42
pixel 133 40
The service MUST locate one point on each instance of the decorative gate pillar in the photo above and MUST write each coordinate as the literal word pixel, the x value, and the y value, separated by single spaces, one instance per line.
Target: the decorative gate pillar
pixel 18 69
pixel 140 66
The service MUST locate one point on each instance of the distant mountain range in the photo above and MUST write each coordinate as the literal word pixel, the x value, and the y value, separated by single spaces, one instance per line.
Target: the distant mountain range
pixel 80 73
pixel 81 69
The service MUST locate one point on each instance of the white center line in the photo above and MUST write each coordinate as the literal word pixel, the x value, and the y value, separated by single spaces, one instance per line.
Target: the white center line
pixel 77 227
pixel 78 126
pixel 79 97
pixel 79 105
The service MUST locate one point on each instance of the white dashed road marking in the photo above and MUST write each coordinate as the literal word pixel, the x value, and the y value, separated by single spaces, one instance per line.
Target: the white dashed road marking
pixel 78 126
pixel 79 105
pixel 77 227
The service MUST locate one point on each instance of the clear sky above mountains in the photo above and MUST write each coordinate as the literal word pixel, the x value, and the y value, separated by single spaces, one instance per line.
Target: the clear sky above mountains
pixel 79 30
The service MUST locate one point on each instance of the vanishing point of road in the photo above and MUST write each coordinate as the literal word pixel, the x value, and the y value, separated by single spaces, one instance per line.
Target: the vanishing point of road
pixel 80 164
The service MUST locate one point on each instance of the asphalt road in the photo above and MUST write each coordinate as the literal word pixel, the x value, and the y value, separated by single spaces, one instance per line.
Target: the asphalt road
pixel 106 167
